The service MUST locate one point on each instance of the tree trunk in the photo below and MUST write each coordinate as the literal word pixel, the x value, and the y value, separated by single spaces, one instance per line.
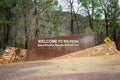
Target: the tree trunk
pixel 71 22
pixel 25 29
pixel 76 20
pixel 114 35
pixel 106 23
pixel 7 27
pixel 37 19
pixel 90 20
pixel 25 22
pixel 4 34
pixel 7 33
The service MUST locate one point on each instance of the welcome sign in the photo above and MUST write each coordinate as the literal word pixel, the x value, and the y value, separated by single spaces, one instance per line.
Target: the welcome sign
pixel 58 42
pixel 47 48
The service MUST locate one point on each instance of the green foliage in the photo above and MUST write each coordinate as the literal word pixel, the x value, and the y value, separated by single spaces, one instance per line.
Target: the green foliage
pixel 19 18
pixel 102 13
pixel 51 16
pixel 1 50
pixel 88 30
pixel 19 41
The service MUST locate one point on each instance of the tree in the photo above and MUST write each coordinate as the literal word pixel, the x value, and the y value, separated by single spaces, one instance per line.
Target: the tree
pixel 102 12
pixel 90 7
pixel 74 12
pixel 50 18
pixel 26 4
pixel 105 6
pixel 114 14
pixel 6 14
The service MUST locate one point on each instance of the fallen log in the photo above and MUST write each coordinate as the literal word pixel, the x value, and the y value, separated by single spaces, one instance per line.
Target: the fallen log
pixel 12 55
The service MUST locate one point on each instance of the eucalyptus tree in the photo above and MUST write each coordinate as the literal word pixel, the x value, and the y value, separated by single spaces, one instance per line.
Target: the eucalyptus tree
pixel 90 6
pixel 113 18
pixel 48 18
pixel 6 16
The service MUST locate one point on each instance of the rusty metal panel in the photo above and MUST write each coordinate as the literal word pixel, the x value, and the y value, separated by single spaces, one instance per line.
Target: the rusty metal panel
pixel 47 48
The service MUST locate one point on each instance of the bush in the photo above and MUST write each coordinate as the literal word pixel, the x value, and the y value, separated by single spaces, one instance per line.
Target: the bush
pixel 88 30
pixel 1 50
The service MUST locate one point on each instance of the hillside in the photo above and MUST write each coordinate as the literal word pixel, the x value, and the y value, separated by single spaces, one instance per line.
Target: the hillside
pixel 79 23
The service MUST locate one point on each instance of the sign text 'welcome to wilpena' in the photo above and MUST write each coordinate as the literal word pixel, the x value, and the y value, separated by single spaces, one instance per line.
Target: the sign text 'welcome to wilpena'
pixel 58 43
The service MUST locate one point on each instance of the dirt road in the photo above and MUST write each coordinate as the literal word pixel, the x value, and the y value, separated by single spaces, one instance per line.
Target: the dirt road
pixel 83 68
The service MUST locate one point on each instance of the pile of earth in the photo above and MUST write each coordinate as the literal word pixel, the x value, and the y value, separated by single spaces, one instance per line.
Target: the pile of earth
pixel 108 48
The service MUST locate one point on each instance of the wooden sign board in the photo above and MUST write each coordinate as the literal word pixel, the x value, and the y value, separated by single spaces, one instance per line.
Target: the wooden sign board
pixel 47 48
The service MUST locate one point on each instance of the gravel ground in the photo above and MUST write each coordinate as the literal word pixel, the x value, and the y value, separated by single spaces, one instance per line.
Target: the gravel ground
pixel 84 68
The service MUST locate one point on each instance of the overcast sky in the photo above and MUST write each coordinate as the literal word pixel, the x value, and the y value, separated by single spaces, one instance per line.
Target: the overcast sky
pixel 77 7
pixel 65 6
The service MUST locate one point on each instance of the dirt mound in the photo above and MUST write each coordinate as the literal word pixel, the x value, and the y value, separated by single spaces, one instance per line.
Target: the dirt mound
pixel 12 54
pixel 108 48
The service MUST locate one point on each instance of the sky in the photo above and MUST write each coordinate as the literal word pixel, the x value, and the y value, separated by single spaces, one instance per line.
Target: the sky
pixel 65 6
